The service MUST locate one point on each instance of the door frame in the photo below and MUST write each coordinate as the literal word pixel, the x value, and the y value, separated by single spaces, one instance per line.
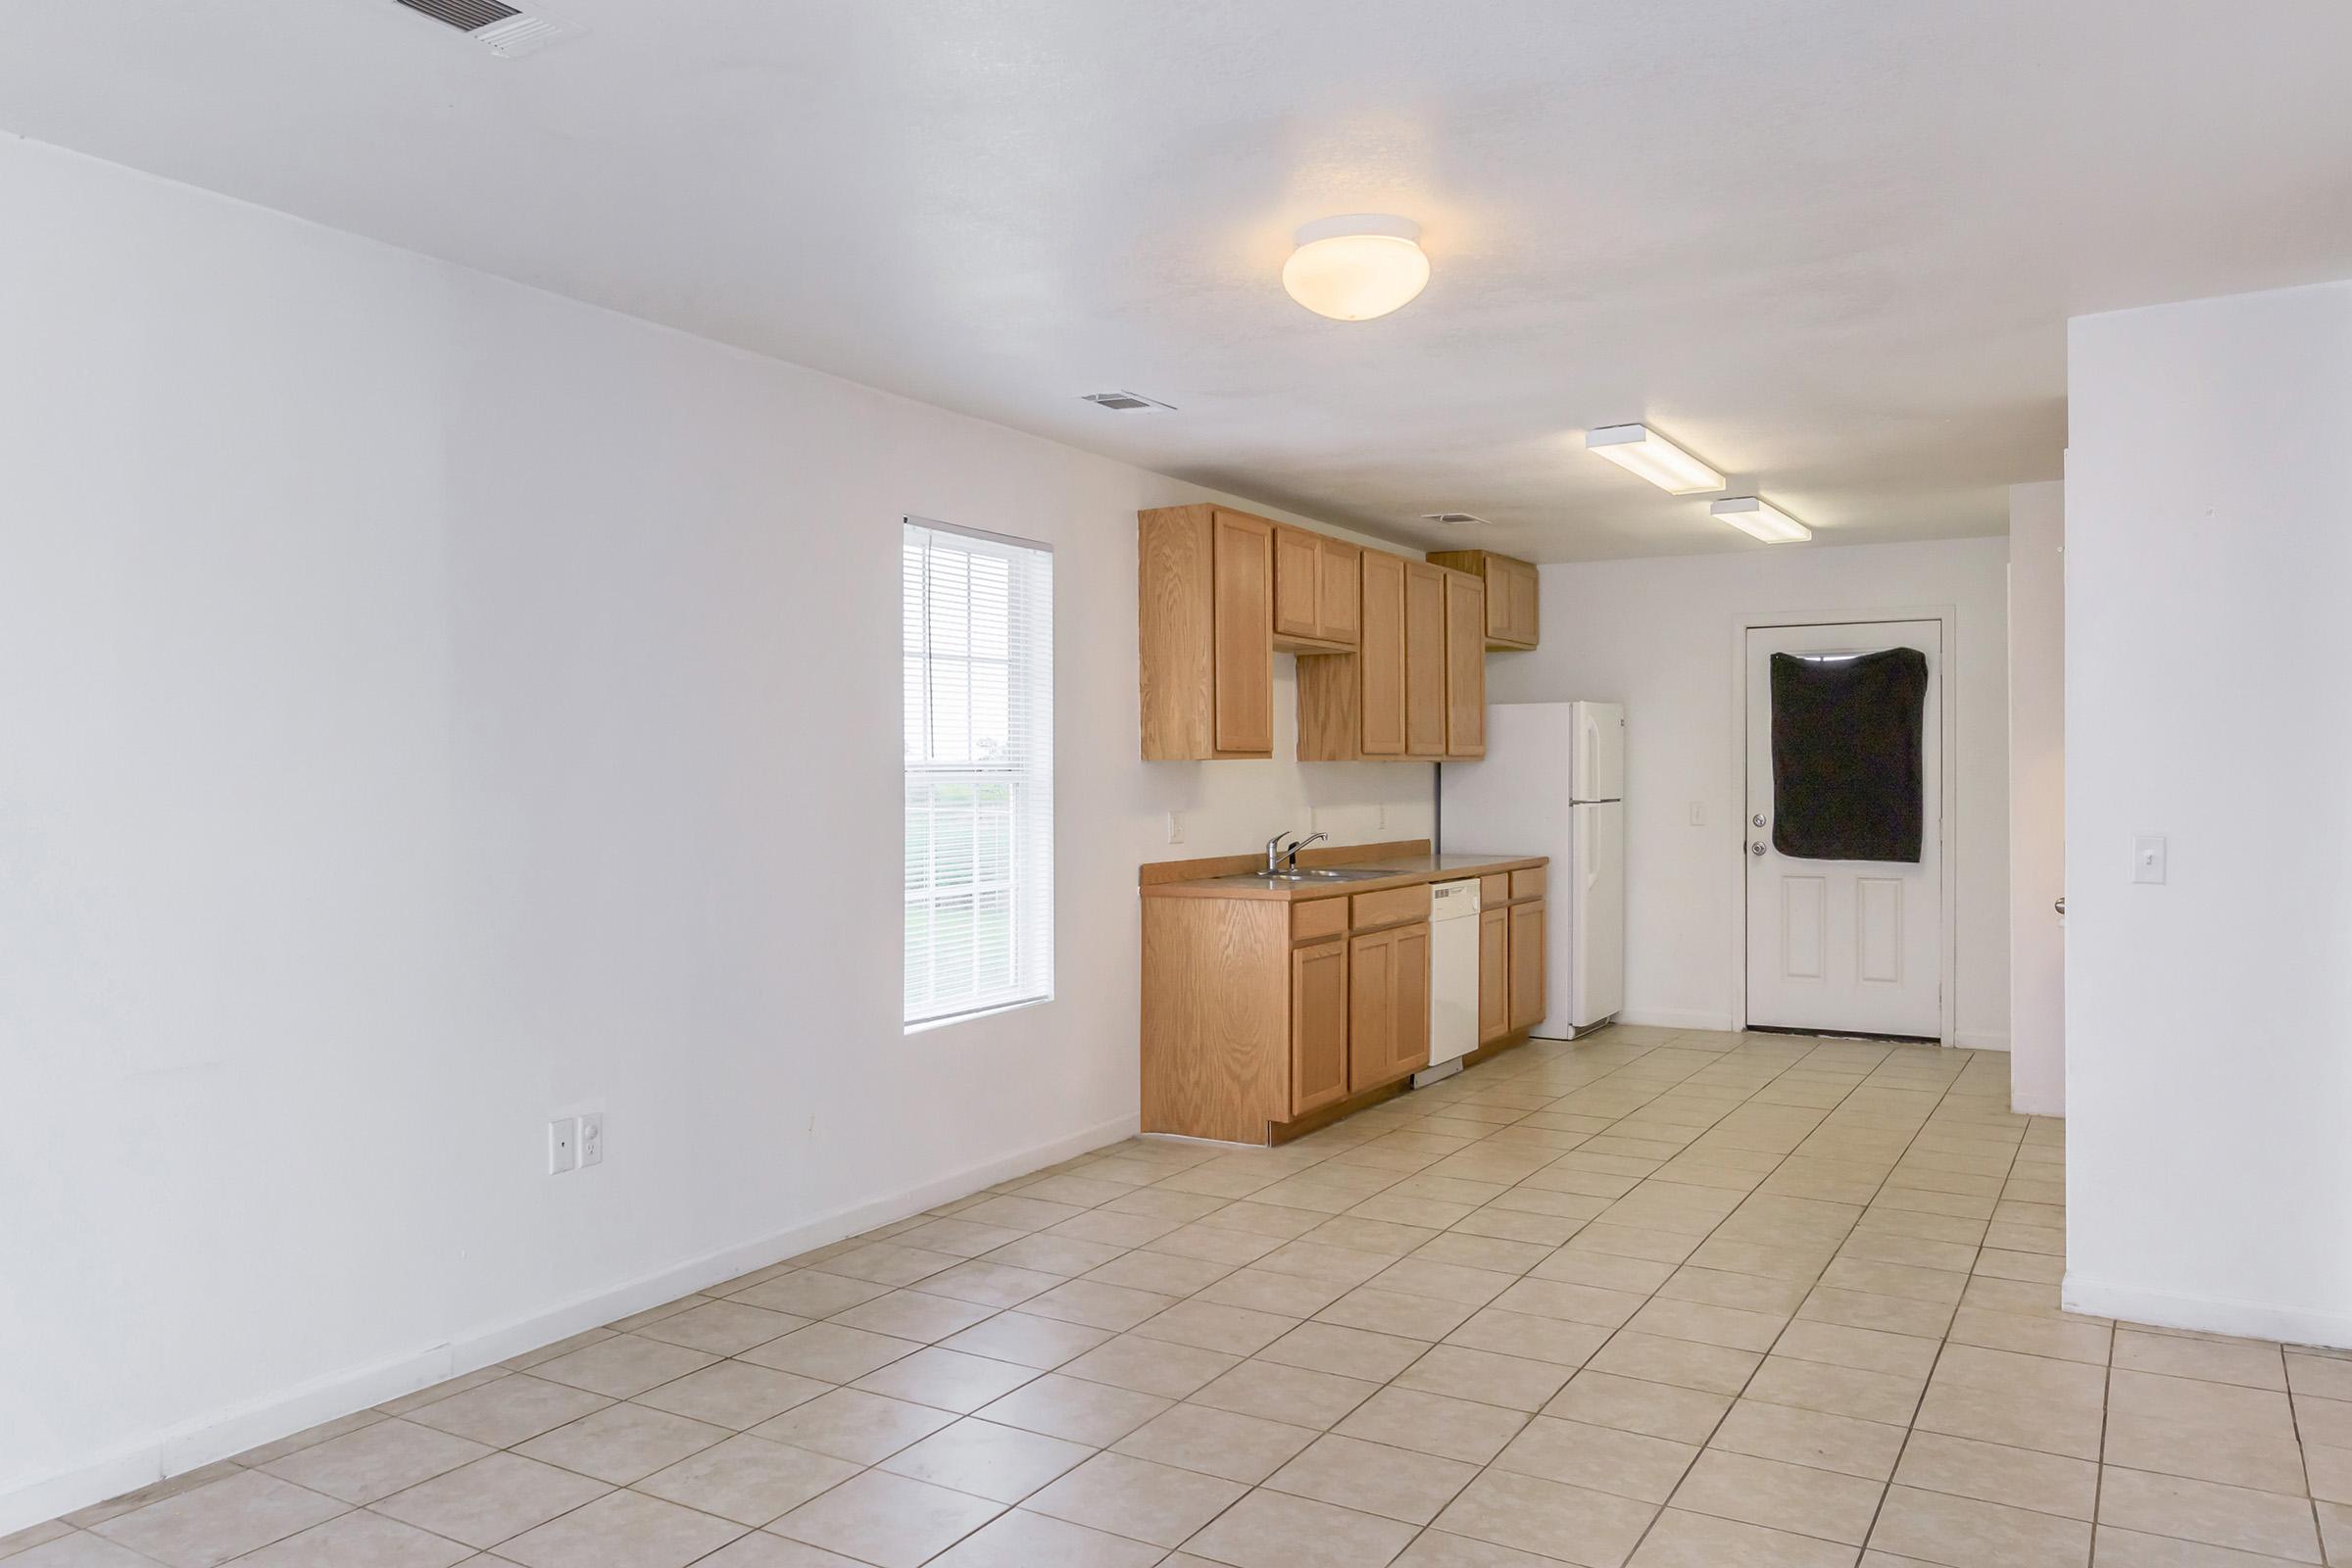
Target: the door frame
pixel 1947 950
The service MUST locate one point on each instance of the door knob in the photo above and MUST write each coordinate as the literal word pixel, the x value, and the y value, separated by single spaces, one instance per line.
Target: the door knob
pixel 1756 849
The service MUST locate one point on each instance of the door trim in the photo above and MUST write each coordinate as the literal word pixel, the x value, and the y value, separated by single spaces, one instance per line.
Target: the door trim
pixel 1736 881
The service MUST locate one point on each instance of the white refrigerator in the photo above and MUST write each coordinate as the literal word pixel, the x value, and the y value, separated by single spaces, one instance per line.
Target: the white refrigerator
pixel 1552 782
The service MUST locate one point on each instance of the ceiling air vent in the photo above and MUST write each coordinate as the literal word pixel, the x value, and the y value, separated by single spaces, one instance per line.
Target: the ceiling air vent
pixel 1455 519
pixel 466 16
pixel 508 32
pixel 1129 403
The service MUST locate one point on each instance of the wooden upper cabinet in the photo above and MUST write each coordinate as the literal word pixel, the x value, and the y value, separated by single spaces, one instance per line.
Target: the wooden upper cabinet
pixel 1342 567
pixel 1512 617
pixel 1424 660
pixel 1318 1025
pixel 1380 659
pixel 1527 964
pixel 1298 584
pixel 1245 652
pixel 1466 665
pixel 1206 606
pixel 1315 590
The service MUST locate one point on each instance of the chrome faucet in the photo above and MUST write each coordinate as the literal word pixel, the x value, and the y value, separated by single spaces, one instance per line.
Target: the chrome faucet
pixel 1276 853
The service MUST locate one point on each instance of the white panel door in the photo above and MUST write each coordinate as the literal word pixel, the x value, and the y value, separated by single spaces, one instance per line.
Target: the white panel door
pixel 1848 946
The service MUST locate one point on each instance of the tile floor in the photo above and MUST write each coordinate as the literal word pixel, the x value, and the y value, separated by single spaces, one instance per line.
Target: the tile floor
pixel 1680 1301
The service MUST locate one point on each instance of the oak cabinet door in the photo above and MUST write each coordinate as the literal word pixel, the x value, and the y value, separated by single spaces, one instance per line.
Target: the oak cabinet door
pixel 1466 665
pixel 1494 975
pixel 1319 1002
pixel 1340 579
pixel 1371 1009
pixel 1381 655
pixel 1413 1001
pixel 1511 614
pixel 1242 605
pixel 1424 660
pixel 1298 584
pixel 1527 964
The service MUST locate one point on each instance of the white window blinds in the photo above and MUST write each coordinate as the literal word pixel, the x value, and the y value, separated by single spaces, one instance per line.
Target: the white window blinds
pixel 978 645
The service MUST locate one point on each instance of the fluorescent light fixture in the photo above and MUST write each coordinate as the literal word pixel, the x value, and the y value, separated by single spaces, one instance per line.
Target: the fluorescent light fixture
pixel 1762 520
pixel 1639 449
pixel 1356 266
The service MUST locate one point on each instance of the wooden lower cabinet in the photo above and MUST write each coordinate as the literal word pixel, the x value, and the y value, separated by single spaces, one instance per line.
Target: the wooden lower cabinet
pixel 1263 1017
pixel 1319 999
pixel 1528 946
pixel 1494 974
pixel 1387 1005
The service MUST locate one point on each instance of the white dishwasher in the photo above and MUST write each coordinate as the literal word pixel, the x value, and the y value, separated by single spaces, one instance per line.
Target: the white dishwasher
pixel 1452 978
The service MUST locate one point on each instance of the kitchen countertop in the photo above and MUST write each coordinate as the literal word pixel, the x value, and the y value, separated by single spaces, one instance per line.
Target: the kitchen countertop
pixel 1399 871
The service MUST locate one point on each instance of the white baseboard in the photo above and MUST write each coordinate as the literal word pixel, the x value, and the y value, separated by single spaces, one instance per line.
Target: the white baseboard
pixel 233 1431
pixel 1981 1039
pixel 2253 1320
pixel 1675 1018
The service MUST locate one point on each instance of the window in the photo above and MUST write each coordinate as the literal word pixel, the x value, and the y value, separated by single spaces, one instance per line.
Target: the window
pixel 978 648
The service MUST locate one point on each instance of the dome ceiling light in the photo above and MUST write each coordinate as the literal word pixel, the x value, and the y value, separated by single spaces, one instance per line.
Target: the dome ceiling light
pixel 1356 266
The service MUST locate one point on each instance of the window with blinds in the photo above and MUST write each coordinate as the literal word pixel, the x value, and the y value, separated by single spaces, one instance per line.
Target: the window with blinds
pixel 977 611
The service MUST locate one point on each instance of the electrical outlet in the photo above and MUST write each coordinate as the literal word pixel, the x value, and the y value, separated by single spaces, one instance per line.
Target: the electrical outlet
pixel 1699 813
pixel 592 1139
pixel 563 1145
pixel 1175 827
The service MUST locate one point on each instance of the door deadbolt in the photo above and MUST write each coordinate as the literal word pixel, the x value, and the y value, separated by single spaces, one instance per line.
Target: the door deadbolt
pixel 1757 819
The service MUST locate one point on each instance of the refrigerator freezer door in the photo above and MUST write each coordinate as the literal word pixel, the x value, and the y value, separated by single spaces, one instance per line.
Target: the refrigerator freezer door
pixel 1516 801
pixel 1596 914
pixel 1600 752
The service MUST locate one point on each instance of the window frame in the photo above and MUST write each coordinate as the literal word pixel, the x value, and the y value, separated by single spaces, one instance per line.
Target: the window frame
pixel 1029 902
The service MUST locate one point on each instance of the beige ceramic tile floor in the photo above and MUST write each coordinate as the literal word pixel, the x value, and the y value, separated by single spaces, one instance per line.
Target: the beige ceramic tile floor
pixel 1675 1300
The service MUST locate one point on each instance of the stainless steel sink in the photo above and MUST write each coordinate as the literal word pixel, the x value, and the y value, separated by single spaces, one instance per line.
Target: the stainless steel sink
pixel 1321 875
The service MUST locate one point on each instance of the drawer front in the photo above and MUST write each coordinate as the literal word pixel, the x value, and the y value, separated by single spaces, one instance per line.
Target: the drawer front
pixel 1493 891
pixel 1317 918
pixel 1528 884
pixel 1391 907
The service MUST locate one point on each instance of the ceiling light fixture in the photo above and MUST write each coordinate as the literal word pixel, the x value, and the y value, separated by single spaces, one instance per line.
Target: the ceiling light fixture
pixel 1639 449
pixel 1356 266
pixel 1762 520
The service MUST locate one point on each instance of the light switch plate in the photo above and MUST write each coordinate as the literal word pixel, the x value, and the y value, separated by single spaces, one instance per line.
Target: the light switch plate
pixel 563 1145
pixel 2147 857
pixel 1699 813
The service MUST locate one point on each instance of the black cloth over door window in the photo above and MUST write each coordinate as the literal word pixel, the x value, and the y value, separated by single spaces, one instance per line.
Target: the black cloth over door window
pixel 1846 757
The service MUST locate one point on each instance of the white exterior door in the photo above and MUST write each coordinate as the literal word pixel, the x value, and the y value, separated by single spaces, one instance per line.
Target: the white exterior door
pixel 1848 946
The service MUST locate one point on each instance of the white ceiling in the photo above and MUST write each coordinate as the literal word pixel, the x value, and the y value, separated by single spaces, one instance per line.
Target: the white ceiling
pixel 1828 245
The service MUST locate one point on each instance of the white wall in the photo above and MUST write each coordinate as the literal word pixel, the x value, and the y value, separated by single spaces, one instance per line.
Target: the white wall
pixel 2036 797
pixel 428 705
pixel 1658 635
pixel 2209 698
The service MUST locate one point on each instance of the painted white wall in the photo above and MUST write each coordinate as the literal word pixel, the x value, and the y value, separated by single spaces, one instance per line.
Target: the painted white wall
pixel 2209 1019
pixel 428 705
pixel 1658 635
pixel 2036 797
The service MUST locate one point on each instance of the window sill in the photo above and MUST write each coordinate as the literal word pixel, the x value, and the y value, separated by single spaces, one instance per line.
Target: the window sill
pixel 929 1024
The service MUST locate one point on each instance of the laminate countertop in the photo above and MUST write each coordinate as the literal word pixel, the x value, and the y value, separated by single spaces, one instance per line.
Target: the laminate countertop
pixel 1396 871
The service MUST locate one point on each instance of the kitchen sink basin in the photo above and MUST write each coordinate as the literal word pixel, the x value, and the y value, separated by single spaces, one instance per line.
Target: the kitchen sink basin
pixel 1321 875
